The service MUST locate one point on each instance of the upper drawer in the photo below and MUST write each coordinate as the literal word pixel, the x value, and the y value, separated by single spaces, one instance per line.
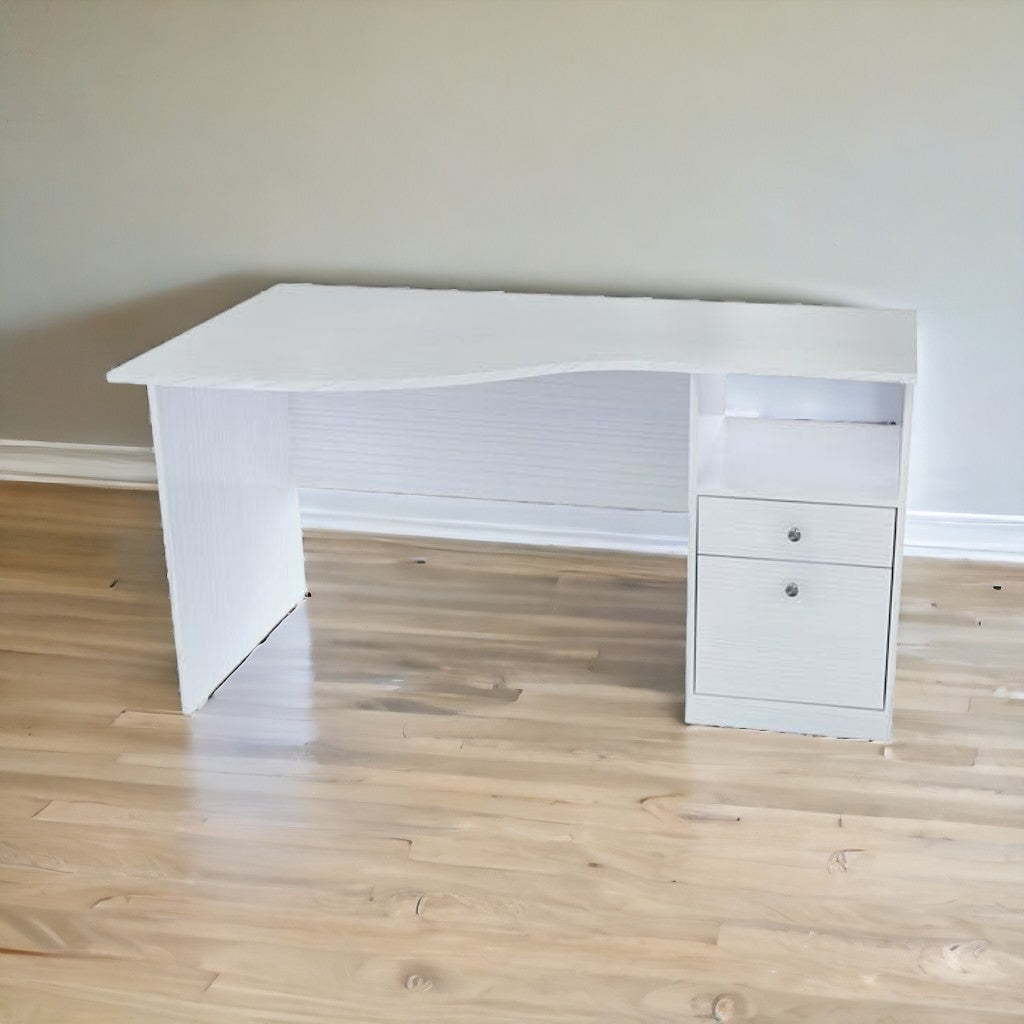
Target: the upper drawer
pixel 796 530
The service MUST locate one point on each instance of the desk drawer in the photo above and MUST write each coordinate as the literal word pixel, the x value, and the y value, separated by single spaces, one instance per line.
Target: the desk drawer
pixel 792 631
pixel 795 530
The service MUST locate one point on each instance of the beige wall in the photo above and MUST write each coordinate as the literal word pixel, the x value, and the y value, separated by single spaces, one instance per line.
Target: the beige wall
pixel 161 159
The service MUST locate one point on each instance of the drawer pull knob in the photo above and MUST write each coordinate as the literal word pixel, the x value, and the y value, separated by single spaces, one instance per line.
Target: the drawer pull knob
pixel 794 534
pixel 792 590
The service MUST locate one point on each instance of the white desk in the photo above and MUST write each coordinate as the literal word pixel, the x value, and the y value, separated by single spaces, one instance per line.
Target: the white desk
pixel 799 428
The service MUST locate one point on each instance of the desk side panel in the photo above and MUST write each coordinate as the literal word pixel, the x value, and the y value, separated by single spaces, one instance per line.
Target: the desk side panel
pixel 232 533
pixel 694 456
pixel 897 568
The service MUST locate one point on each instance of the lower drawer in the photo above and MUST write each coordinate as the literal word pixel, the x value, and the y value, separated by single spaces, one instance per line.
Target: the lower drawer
pixel 792 631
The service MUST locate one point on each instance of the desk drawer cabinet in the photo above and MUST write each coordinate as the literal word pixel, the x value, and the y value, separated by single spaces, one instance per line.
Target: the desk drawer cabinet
pixel 792 631
pixel 797 504
pixel 798 531
pixel 792 622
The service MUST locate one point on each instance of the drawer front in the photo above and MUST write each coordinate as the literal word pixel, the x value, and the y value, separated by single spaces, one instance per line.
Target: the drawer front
pixel 796 530
pixel 792 631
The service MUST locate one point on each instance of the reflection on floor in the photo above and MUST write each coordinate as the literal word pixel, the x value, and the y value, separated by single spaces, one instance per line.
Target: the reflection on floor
pixel 455 788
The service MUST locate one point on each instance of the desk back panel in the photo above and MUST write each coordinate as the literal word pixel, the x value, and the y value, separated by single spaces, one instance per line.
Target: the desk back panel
pixel 600 440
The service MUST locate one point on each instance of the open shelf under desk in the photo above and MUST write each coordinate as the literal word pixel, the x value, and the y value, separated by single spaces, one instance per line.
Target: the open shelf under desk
pixel 798 460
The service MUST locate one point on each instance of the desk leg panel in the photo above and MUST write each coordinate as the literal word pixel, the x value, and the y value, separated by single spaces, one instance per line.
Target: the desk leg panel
pixel 232 533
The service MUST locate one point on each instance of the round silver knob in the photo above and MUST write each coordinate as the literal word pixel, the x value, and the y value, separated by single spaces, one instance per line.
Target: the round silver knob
pixel 794 534
pixel 792 590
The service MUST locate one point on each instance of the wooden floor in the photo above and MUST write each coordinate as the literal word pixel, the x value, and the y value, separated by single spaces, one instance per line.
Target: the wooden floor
pixel 454 788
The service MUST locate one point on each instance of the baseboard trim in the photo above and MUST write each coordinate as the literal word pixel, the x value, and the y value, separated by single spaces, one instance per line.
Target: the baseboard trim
pixel 965 535
pixel 510 522
pixel 89 465
pixel 929 534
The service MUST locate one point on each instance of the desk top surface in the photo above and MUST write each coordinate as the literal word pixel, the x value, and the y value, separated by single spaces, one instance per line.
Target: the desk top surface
pixel 305 337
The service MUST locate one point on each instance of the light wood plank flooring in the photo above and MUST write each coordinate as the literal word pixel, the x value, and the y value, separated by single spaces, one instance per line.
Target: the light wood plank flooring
pixel 454 788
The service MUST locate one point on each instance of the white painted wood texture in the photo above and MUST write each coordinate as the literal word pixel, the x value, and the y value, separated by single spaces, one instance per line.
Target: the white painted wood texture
pixel 304 337
pixel 796 398
pixel 602 440
pixel 845 470
pixel 507 522
pixel 897 567
pixel 855 463
pixel 827 645
pixel 232 533
pixel 789 716
pixel 699 385
pixel 848 534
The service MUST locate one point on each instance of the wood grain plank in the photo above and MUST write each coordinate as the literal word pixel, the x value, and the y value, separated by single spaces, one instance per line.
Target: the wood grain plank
pixel 457 788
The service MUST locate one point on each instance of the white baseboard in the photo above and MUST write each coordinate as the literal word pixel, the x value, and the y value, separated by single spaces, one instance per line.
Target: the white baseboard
pixel 91 465
pixel 511 522
pixel 932 534
pixel 964 535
